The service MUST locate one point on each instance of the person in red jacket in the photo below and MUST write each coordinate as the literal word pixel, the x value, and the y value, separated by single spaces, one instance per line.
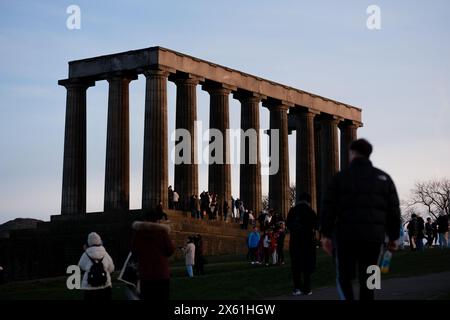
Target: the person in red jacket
pixel 152 245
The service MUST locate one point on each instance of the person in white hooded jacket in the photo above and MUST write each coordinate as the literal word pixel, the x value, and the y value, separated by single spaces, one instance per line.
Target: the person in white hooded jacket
pixel 95 252
pixel 189 254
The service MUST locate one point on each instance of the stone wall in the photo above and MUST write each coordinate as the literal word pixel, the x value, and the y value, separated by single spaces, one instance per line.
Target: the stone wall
pixel 47 250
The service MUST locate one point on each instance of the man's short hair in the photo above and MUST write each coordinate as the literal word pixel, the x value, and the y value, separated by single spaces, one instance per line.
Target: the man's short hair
pixel 362 147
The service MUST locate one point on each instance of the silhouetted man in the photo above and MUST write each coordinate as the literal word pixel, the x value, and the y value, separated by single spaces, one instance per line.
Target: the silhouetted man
pixel 360 207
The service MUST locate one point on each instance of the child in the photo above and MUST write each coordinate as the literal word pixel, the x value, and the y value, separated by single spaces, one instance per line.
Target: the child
pixel 266 245
pixel 189 254
pixel 273 246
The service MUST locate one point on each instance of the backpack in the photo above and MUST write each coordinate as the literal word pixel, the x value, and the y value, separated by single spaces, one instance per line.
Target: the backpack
pixel 97 275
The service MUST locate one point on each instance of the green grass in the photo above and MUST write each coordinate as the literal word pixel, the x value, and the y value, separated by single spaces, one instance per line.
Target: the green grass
pixel 231 277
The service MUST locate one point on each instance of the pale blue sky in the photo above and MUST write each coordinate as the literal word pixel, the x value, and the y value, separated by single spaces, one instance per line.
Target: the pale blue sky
pixel 399 75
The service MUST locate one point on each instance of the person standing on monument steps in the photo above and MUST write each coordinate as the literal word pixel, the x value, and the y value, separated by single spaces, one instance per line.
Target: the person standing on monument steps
pixel 170 197
pixel 152 245
pixel 302 224
pixel 176 199
pixel 97 266
pixel 360 208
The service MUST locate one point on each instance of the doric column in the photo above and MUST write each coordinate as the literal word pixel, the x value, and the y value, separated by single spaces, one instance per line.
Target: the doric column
pixel 329 150
pixel 74 167
pixel 117 169
pixel 219 178
pixel 250 166
pixel 348 135
pixel 279 182
pixel 318 167
pixel 186 174
pixel 305 160
pixel 155 176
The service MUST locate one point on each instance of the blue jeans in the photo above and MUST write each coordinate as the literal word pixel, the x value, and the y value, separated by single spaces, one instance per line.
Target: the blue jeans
pixel 190 271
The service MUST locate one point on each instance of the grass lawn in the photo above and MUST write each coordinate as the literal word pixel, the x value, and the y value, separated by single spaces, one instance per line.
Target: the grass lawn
pixel 231 277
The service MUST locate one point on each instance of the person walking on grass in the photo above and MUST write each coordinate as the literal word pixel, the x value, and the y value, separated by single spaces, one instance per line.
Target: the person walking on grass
pixel 360 208
pixel 152 246
pixel 413 232
pixel 97 266
pixel 429 232
pixel 199 260
pixel 302 225
pixel 442 224
pixel 420 234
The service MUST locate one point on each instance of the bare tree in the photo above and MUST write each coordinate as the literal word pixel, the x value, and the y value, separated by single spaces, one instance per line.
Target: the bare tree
pixel 292 194
pixel 431 195
pixel 265 202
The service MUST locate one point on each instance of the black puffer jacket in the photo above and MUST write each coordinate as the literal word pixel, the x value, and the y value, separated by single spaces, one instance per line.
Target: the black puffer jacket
pixel 361 204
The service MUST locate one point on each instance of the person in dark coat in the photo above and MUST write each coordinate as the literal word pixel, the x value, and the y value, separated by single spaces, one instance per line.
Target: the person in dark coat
pixel 226 209
pixel 429 232
pixel 442 226
pixel 280 245
pixel 435 233
pixel 2 276
pixel 420 234
pixel 360 208
pixel 261 220
pixel 199 259
pixel 152 245
pixel 245 220
pixel 302 224
pixel 413 232
pixel 159 212
pixel 170 195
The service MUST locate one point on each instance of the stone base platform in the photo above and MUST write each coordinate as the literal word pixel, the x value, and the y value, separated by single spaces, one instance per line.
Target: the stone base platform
pixel 47 250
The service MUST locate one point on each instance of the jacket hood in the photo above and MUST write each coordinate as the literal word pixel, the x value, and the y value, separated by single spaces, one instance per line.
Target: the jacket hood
pixel 94 239
pixel 96 252
pixel 150 226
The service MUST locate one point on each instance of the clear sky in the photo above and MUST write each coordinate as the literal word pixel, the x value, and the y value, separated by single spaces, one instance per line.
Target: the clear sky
pixel 399 75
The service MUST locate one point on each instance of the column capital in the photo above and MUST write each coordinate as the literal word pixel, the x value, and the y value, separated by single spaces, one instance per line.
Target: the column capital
pixel 156 73
pixel 330 118
pixel 218 88
pixel 120 75
pixel 274 104
pixel 304 112
pixel 346 122
pixel 185 78
pixel 248 96
pixel 76 82
pixel 276 107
